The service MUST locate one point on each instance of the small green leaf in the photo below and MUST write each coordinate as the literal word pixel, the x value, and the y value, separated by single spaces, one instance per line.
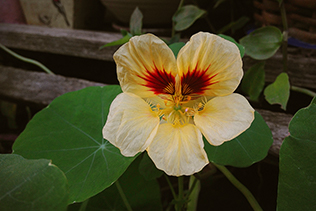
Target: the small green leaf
pixel 121 41
pixel 218 2
pixel 124 32
pixel 194 196
pixel 249 147
pixel 253 81
pixel 148 169
pixel 31 185
pixel 175 47
pixel 69 132
pixel 297 177
pixel 279 91
pixel 234 25
pixel 240 47
pixel 263 42
pixel 186 16
pixel 136 22
pixel 141 194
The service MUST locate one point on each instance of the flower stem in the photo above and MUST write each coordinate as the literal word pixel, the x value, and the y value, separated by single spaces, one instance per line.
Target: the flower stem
pixel 192 185
pixel 171 187
pixel 303 90
pixel 180 186
pixel 285 36
pixel 180 199
pixel 40 65
pixel 193 194
pixel 251 199
pixel 121 192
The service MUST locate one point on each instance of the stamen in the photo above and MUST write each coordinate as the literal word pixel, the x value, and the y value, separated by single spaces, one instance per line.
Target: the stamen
pixel 166 102
pixel 189 111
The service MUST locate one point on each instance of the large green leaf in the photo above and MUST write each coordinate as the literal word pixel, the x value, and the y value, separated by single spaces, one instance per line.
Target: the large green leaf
pixel 279 91
pixel 249 147
pixel 31 185
pixel 69 132
pixel 263 42
pixel 186 16
pixel 253 81
pixel 297 177
pixel 140 193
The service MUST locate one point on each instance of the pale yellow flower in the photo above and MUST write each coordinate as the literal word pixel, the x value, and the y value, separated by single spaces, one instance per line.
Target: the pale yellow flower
pixel 168 103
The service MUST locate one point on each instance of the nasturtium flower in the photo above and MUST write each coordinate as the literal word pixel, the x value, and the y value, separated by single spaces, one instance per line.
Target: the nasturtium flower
pixel 168 104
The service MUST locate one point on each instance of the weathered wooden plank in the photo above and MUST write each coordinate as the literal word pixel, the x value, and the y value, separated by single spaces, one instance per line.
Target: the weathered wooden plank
pixel 36 88
pixel 86 44
pixel 39 89
pixel 278 123
pixel 70 42
pixel 301 68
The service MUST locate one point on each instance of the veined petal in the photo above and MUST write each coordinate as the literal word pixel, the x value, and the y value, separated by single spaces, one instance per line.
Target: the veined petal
pixel 178 150
pixel 131 124
pixel 146 66
pixel 224 118
pixel 209 65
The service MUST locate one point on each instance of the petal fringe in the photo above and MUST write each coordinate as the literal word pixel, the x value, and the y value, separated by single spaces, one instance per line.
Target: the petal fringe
pixel 224 118
pixel 178 150
pixel 131 124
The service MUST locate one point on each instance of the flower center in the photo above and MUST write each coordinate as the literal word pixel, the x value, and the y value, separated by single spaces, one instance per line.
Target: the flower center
pixel 179 110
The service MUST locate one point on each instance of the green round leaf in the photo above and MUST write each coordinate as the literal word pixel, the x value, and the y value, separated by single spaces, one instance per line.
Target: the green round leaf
pixel 240 47
pixel 297 180
pixel 186 16
pixel 175 47
pixel 253 81
pixel 279 91
pixel 31 185
pixel 263 42
pixel 249 147
pixel 140 193
pixel 69 132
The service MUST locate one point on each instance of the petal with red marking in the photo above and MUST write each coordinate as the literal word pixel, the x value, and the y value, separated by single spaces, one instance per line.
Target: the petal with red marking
pixel 209 65
pixel 224 118
pixel 146 66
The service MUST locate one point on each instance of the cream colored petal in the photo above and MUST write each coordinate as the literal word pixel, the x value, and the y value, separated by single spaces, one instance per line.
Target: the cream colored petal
pixel 145 66
pixel 224 118
pixel 178 150
pixel 210 64
pixel 131 124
